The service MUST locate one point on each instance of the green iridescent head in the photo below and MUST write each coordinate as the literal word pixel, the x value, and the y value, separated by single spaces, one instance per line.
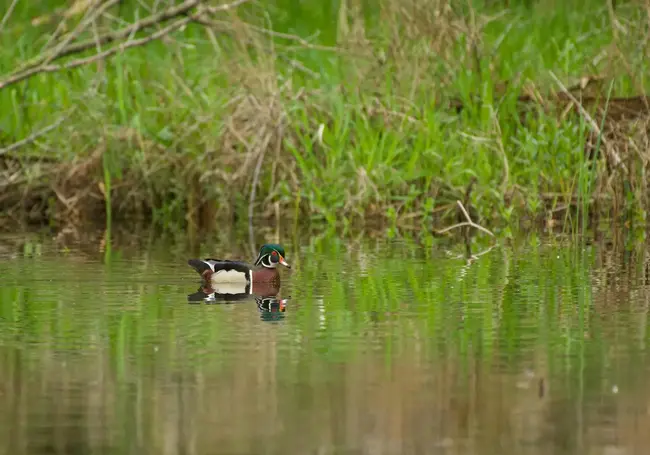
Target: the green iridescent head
pixel 271 254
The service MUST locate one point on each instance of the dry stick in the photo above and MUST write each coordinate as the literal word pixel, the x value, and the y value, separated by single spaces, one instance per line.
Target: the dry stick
pixel 42 67
pixel 469 222
pixel 609 150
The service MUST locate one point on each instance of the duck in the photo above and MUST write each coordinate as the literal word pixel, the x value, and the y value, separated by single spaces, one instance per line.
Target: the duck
pixel 236 277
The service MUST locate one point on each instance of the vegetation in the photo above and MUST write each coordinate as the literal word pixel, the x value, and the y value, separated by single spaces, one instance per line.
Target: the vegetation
pixel 341 112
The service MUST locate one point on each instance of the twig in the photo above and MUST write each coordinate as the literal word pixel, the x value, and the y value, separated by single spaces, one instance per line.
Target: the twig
pixel 469 222
pixel 32 137
pixel 8 14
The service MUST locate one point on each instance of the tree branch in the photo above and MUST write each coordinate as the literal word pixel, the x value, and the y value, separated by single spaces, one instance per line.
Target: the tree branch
pixel 42 63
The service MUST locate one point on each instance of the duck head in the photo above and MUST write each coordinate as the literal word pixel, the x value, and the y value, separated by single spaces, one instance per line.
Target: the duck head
pixel 271 254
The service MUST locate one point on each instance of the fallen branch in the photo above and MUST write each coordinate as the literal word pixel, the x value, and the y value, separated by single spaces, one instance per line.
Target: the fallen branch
pixel 469 222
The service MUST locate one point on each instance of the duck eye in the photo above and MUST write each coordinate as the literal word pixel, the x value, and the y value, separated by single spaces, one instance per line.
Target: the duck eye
pixel 274 253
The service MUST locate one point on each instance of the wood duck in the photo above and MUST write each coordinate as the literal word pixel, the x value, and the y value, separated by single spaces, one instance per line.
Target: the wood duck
pixel 234 277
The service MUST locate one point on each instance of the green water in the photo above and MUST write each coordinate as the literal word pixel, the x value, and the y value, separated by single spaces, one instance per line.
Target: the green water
pixel 370 348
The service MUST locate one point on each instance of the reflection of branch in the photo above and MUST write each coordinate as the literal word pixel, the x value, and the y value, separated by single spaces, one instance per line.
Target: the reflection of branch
pixel 485 251
pixel 42 63
pixel 469 222
pixel 474 257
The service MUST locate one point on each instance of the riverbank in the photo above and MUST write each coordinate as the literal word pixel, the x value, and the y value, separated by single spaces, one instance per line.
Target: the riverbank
pixel 342 116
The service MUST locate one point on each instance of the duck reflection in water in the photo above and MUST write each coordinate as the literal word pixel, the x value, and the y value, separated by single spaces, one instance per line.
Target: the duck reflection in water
pixel 271 307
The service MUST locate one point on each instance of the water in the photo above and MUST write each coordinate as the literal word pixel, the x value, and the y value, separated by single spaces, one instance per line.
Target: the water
pixel 388 348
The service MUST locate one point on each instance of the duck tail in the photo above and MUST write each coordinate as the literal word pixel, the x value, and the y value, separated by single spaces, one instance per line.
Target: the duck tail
pixel 201 267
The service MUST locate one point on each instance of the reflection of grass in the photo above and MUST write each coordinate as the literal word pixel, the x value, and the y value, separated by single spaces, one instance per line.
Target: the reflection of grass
pixel 184 121
pixel 493 304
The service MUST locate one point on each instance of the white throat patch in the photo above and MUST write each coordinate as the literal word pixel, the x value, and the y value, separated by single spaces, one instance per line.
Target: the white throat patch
pixel 266 262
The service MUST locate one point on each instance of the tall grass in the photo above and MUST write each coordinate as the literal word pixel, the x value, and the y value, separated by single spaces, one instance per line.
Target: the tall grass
pixel 357 126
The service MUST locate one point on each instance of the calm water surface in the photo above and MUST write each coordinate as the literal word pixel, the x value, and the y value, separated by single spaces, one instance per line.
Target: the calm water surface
pixel 376 349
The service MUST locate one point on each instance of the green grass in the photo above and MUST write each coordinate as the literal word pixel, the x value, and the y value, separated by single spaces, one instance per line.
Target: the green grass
pixel 184 121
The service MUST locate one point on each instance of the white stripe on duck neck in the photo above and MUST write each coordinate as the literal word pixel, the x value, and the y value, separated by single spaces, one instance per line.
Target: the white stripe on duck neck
pixel 266 262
